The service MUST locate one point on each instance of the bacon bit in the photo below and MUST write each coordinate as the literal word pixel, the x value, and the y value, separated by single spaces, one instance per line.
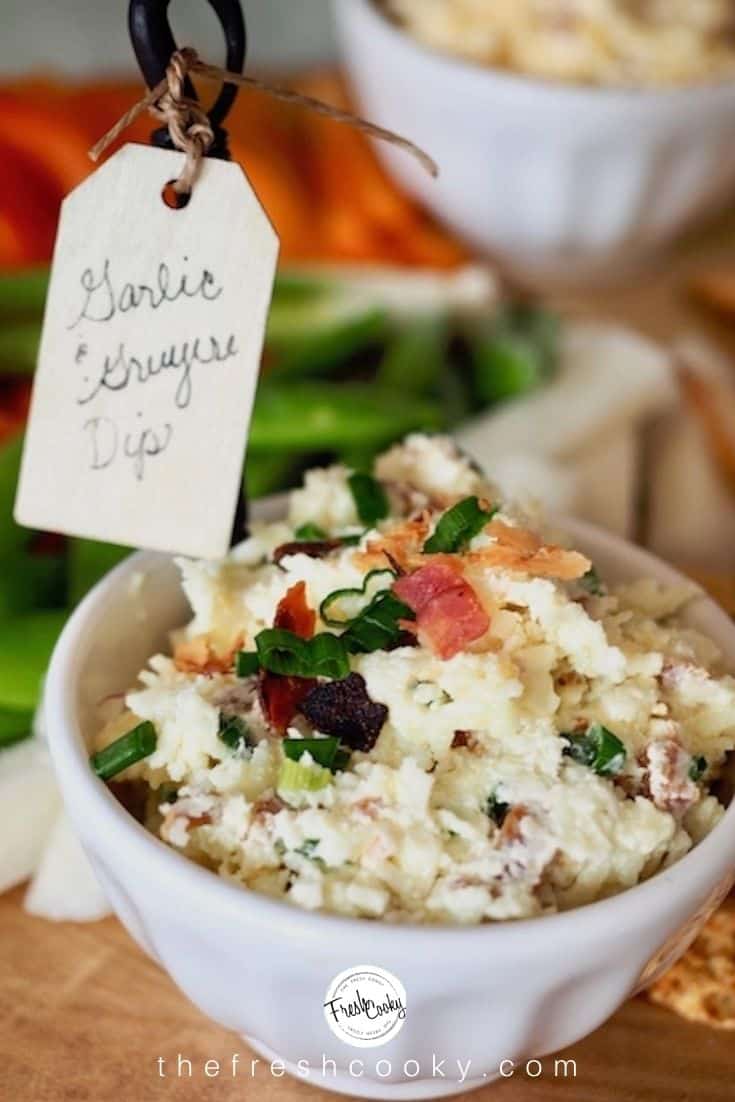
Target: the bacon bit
pixel 399 545
pixel 293 613
pixel 198 655
pixel 200 820
pixel 266 806
pixel 669 783
pixel 369 806
pixel 448 612
pixel 464 740
pixel 281 697
pixel 548 562
pixel 343 708
pixel 520 539
pixel 315 549
pixel 512 823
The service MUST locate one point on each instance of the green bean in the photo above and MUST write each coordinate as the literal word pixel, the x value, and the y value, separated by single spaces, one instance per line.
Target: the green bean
pixel 19 347
pixel 319 417
pixel 26 643
pixel 12 536
pixel 23 293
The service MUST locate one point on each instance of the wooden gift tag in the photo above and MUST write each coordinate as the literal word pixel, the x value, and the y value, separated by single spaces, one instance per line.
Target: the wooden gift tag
pixel 149 359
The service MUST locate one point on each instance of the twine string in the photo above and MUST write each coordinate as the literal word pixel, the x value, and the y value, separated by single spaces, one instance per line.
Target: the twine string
pixel 190 128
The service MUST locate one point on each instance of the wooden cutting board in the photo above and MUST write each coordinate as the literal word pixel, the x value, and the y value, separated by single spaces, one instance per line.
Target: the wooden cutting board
pixel 85 1016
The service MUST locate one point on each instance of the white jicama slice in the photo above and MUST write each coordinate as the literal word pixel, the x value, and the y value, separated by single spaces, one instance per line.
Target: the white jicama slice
pixel 468 292
pixel 692 511
pixel 65 888
pixel 608 377
pixel 30 802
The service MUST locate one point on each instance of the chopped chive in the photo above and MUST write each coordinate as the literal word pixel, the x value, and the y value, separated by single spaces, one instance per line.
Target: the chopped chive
pixel 370 498
pixel 322 750
pixel 247 663
pixel 458 526
pixel 360 596
pixel 233 731
pixel 308 848
pixel 496 809
pixel 125 751
pixel 283 652
pixel 597 748
pixel 378 626
pixel 310 533
pixel 592 582
pixel 698 768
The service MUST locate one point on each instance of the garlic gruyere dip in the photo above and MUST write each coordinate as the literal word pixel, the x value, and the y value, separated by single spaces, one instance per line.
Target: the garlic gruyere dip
pixel 404 702
pixel 608 42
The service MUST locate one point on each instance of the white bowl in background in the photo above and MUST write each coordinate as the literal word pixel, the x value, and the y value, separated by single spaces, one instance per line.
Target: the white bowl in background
pixel 560 182
pixel 261 967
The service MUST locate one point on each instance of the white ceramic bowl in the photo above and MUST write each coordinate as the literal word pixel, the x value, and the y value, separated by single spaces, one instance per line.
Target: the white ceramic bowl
pixel 261 967
pixel 562 183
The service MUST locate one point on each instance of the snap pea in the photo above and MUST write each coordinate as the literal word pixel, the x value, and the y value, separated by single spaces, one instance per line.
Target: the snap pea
pixel 19 347
pixel 23 294
pixel 26 643
pixel 29 582
pixel 14 726
pixel 315 417
pixel 514 353
pixel 313 337
pixel 264 474
pixel 12 536
pixel 414 359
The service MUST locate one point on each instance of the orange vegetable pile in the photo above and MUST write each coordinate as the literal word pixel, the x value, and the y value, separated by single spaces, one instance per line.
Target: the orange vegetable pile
pixel 319 181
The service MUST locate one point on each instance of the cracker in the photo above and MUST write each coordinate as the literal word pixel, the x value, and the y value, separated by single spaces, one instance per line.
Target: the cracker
pixel 701 986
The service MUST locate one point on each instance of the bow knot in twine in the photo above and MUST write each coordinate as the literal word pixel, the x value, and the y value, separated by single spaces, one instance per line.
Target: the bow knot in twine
pixel 191 131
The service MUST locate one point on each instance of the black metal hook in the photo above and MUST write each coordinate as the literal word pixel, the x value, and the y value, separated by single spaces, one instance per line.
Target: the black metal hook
pixel 154 43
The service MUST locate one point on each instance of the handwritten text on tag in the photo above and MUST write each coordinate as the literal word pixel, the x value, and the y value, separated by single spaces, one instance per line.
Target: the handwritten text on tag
pixel 149 358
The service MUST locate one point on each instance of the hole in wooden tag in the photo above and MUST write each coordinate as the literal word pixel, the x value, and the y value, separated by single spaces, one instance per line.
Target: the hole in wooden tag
pixel 177 200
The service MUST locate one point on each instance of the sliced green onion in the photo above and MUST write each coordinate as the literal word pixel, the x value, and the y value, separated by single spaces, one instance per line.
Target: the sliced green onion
pixel 458 526
pixel 125 751
pixel 328 657
pixel 247 663
pixel 592 582
pixel 283 652
pixel 698 768
pixel 496 809
pixel 370 498
pixel 295 776
pixel 378 626
pixel 351 602
pixel 322 750
pixel 597 748
pixel 233 731
pixel 310 533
